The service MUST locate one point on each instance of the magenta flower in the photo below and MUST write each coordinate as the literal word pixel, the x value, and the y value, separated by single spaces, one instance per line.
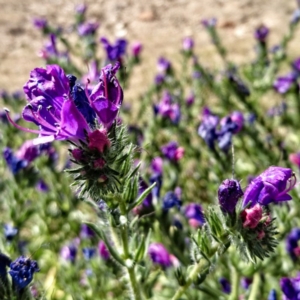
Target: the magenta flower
pixel 172 151
pixel 159 255
pixel 188 44
pixel 252 216
pixel 103 251
pixel 61 108
pixel 238 118
pixel 136 49
pixel 270 186
pixel 294 158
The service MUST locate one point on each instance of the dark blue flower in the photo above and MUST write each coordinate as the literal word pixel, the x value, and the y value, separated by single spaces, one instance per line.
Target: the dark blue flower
pixel 292 246
pixel 88 253
pixel 171 200
pixel 272 295
pixel 290 287
pixel 225 284
pixel 14 163
pixel 156 190
pixel 86 232
pixel 22 270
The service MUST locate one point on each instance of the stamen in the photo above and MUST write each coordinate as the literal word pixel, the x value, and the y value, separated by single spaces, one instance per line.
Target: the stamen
pixel 18 126
pixel 41 121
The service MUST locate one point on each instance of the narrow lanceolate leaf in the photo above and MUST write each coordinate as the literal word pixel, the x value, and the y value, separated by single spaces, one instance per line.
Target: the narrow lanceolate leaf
pixel 140 199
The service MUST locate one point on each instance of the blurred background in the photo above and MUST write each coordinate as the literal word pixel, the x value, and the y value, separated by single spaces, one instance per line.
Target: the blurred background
pixel 159 25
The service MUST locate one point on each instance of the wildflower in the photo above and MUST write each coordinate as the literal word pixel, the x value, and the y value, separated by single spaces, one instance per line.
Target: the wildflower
pixel 290 287
pixel 225 284
pixel 246 282
pixel 171 200
pixel 40 23
pixel 292 246
pixel 190 99
pixel 252 216
pixel 22 270
pixel 261 33
pixel 103 251
pixel 136 49
pixel 172 151
pixel 86 232
pixel 69 252
pixel 209 23
pixel 159 255
pixel 81 8
pixel 272 295
pixel 238 118
pixel 229 193
pixel 188 44
pixel 208 127
pixel 194 213
pixel 14 163
pixel 116 51
pixel 283 84
pixel 228 127
pixel 163 65
pixel 88 253
pixel 60 112
pixel 157 165
pixel 10 232
pixel 270 186
pixel 88 28
pixel 41 186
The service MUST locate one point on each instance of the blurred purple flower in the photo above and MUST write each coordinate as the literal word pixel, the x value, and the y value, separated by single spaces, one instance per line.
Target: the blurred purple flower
pixel 270 186
pixel 159 79
pixel 88 252
pixel 225 284
pixel 103 251
pixel 163 65
pixel 136 49
pixel 40 23
pixel 272 295
pixel 157 165
pixel 292 246
pixel 283 84
pixel 86 232
pixel 290 287
pixel 294 158
pixel 22 270
pixel 194 213
pixel 261 33
pixel 41 186
pixel 209 23
pixel 190 99
pixel 228 128
pixel 88 28
pixel 170 200
pixel 81 8
pixel 172 151
pixel 238 118
pixel 188 44
pixel 69 252
pixel 116 51
pixel 296 65
pixel 159 255
pixel 229 193
pixel 246 282
pixel 295 17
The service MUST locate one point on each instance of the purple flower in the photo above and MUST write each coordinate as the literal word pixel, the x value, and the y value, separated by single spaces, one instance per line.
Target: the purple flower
pixel 208 127
pixel 14 163
pixel 170 200
pixel 261 33
pixel 40 23
pixel 103 251
pixel 295 17
pixel 194 212
pixel 229 193
pixel 172 151
pixel 28 152
pixel 22 270
pixel 296 65
pixel 88 28
pixel 81 8
pixel 209 23
pixel 190 99
pixel 159 79
pixel 86 232
pixel 136 49
pixel 116 51
pixel 157 165
pixel 228 128
pixel 156 177
pixel 292 246
pixel 245 282
pixel 283 84
pixel 163 65
pixel 69 252
pixel 188 44
pixel 270 186
pixel 238 118
pixel 225 284
pixel 295 159
pixel 41 186
pixel 10 232
pixel 60 108
pixel 290 287
pixel 159 255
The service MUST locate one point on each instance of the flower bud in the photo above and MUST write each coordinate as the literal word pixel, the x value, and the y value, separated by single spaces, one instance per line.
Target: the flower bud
pixel 252 216
pixel 228 194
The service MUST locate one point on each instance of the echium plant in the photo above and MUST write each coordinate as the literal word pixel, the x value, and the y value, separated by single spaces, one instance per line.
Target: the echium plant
pixel 106 177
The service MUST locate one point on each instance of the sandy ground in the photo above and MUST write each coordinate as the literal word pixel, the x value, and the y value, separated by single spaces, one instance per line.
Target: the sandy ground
pixel 159 25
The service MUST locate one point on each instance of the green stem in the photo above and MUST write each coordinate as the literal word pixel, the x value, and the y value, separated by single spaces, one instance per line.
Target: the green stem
pixel 201 265
pixel 255 287
pixel 129 263
pixel 235 284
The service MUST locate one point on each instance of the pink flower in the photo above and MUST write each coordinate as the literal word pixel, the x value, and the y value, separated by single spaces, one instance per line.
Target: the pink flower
pixel 252 216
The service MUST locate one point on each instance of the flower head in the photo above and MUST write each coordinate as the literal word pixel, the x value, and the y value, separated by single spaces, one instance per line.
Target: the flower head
pixel 116 51
pixel 292 246
pixel 188 44
pixel 209 23
pixel 103 251
pixel 88 28
pixel 229 193
pixel 225 284
pixel 163 65
pixel 10 232
pixel 252 216
pixel 22 270
pixel 261 33
pixel 171 200
pixel 159 255
pixel 172 151
pixel 136 49
pixel 290 287
pixel 283 84
pixel 194 213
pixel 270 186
